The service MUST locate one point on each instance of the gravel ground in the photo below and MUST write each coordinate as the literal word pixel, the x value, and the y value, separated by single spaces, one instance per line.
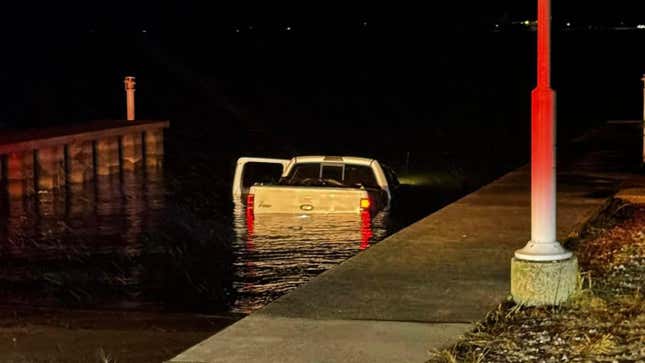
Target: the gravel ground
pixel 603 322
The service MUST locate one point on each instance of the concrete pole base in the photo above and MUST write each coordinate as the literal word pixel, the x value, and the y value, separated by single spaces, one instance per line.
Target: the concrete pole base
pixel 537 283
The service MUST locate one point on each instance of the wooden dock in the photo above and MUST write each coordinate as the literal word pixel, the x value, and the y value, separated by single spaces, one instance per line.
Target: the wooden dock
pixel 45 159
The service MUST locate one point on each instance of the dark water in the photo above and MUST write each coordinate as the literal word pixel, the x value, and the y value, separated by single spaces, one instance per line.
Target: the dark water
pixel 124 242
pixel 274 254
pixel 80 245
pixel 451 109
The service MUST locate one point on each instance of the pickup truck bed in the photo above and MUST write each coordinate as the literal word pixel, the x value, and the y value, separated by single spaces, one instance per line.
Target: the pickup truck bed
pixel 313 185
pixel 290 199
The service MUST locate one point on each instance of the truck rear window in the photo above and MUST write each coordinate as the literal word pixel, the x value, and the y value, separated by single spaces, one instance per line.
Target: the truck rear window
pixel 347 175
pixel 360 174
pixel 333 172
pixel 304 171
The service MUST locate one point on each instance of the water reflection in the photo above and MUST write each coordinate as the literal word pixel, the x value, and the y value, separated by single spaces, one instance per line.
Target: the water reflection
pixel 276 253
pixel 79 245
pixel 125 241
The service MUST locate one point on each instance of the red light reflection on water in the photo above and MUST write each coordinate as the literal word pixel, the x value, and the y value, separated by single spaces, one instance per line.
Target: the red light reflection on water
pixel 366 229
pixel 249 228
pixel 250 221
pixel 278 252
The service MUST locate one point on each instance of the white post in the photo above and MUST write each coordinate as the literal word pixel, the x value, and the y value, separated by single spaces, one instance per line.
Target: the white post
pixel 129 90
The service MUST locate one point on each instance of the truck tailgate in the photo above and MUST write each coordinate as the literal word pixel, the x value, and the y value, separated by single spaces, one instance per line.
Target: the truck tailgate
pixel 295 199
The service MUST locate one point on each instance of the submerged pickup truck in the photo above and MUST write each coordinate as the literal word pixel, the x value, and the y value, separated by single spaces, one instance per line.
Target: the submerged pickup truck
pixel 313 185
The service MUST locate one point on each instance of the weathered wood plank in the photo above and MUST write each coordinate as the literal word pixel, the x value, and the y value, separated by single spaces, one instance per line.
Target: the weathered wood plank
pixel 34 139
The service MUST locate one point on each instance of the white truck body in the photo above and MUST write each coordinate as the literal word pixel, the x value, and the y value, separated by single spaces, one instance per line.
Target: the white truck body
pixel 315 185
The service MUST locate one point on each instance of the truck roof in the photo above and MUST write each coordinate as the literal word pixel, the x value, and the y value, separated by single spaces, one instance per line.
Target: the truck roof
pixel 332 159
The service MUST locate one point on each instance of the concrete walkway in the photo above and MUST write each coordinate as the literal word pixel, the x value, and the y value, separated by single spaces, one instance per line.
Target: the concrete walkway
pixel 422 287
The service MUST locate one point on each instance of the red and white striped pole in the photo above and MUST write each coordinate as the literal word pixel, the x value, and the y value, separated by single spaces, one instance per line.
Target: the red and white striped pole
pixel 643 79
pixel 543 245
pixel 129 96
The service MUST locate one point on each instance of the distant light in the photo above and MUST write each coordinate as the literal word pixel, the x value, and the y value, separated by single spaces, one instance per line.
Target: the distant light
pixel 568 24
pixel 144 31
pixel 496 25
pixel 237 30
pixel 640 26
pixel 364 23
pixel 526 22
pixel 288 28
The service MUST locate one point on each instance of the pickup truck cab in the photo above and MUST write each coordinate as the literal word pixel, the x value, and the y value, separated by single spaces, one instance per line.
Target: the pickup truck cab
pixel 313 184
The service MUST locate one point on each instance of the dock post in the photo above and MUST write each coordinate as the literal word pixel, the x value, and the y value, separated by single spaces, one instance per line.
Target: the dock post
pixel 51 167
pixel 154 148
pixel 131 151
pixel 129 91
pixel 107 156
pixel 80 162
pixel 20 174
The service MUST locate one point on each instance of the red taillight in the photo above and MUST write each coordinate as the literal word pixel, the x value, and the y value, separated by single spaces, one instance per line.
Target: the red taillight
pixel 365 203
pixel 250 200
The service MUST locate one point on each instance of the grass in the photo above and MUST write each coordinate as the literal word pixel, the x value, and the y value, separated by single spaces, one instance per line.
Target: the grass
pixel 604 321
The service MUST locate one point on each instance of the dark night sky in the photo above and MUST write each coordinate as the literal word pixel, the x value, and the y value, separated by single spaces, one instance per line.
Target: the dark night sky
pixel 120 15
pixel 48 42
